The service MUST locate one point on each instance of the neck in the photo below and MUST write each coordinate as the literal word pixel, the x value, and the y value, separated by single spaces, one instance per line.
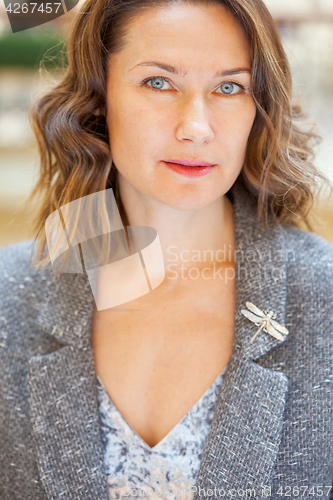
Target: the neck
pixel 189 238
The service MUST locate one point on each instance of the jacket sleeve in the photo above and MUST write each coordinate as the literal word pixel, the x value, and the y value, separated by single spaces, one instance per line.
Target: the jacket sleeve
pixel 20 339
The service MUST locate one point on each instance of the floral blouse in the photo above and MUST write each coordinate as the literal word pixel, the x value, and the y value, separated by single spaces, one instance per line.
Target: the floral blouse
pixel 169 469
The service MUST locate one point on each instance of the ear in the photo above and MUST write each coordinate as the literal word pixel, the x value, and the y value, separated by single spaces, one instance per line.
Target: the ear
pixel 99 112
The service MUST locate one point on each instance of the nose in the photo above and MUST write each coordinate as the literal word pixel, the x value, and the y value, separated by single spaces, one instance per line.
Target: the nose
pixel 193 123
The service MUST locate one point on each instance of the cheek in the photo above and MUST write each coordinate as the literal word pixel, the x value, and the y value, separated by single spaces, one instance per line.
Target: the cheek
pixel 135 129
pixel 235 127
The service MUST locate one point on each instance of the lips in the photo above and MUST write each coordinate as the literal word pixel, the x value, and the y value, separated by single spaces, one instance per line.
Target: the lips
pixel 193 170
pixel 189 163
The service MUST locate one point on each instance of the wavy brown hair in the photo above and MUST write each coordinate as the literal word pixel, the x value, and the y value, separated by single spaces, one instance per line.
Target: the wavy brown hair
pixel 69 120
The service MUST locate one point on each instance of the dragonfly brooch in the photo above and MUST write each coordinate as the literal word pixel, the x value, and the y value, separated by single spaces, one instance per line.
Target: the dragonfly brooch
pixel 266 320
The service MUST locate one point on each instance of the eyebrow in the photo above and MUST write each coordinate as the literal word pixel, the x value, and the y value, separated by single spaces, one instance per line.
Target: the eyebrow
pixel 175 71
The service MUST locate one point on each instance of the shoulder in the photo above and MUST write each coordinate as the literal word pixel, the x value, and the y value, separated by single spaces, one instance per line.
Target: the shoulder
pixel 22 291
pixel 307 245
pixel 18 279
pixel 15 260
pixel 309 260
pixel 14 253
pixel 309 287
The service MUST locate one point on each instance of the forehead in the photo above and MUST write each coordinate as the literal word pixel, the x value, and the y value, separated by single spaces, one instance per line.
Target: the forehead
pixel 193 35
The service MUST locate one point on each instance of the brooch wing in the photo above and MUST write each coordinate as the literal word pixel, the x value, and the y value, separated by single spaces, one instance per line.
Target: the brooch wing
pixel 270 329
pixel 255 309
pixel 279 327
pixel 252 317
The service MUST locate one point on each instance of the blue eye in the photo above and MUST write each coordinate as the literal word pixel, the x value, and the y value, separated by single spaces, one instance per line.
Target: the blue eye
pixel 230 88
pixel 157 83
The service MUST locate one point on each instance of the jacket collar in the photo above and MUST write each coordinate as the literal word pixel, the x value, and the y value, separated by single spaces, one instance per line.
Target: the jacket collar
pixel 243 441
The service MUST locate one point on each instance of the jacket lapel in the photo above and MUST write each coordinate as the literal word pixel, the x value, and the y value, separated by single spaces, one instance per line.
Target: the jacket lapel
pixel 242 445
pixel 243 441
pixel 64 413
pixel 63 396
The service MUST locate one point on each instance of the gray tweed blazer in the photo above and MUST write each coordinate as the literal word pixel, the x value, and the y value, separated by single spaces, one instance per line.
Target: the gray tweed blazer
pixel 272 431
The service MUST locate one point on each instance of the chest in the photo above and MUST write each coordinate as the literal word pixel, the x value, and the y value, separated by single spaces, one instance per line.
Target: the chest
pixel 156 362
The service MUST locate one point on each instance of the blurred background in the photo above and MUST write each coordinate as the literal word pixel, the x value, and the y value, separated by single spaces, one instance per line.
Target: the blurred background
pixel 306 27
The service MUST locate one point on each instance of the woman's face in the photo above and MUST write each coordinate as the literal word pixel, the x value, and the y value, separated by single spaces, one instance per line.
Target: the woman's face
pixel 180 90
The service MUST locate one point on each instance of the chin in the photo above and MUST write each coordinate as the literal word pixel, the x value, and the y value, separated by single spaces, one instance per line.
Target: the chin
pixel 183 202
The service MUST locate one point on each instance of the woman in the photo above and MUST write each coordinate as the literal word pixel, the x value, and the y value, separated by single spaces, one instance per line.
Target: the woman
pixel 175 394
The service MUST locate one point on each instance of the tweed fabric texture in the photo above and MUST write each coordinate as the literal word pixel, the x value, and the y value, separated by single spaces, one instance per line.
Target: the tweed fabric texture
pixel 272 429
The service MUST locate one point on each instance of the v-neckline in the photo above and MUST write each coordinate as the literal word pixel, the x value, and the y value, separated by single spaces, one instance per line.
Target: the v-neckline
pixel 137 436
